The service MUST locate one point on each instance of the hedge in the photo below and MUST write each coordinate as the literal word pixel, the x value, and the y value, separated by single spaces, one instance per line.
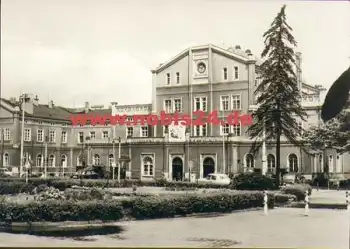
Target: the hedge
pixel 254 181
pixel 137 208
pixel 18 185
pixel 298 190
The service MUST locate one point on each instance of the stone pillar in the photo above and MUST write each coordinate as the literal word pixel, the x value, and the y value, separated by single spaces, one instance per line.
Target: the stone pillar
pixel 71 160
pixel 234 159
pixel 251 79
pixel 129 174
pixel 166 170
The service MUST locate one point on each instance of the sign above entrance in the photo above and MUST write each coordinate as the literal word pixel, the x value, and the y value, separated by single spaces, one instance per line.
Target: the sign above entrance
pixel 177 133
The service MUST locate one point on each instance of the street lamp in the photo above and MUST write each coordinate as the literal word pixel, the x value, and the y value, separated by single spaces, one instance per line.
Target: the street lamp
pixel 189 163
pixel 22 100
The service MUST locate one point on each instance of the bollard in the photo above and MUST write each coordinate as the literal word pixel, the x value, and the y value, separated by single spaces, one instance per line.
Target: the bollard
pixel 265 203
pixel 306 203
pixel 347 200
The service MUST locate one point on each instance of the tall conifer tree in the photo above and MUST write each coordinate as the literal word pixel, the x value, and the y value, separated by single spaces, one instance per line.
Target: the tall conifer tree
pixel 279 108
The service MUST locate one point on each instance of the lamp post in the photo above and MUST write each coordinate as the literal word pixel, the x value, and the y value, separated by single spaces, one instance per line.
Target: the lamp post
pixel 46 158
pixel 87 139
pixel 113 164
pixel 119 159
pixel 189 164
pixel 22 99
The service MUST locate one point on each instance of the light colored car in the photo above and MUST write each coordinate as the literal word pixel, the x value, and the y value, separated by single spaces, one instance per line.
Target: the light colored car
pixel 289 178
pixel 215 179
pixel 5 172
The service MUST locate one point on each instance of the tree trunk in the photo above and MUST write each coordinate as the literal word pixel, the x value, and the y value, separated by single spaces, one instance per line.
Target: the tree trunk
pixel 278 158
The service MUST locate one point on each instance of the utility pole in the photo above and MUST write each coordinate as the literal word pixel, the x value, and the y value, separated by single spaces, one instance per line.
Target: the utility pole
pixel 46 159
pixel 223 146
pixel 2 130
pixel 113 165
pixel 22 102
pixel 119 160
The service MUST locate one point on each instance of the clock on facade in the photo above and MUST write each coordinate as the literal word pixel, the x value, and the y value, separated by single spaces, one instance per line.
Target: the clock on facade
pixel 201 67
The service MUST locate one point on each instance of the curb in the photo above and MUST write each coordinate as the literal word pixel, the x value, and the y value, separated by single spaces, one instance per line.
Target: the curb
pixel 338 206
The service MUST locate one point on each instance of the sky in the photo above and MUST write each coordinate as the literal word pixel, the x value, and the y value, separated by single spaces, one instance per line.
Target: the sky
pixel 102 51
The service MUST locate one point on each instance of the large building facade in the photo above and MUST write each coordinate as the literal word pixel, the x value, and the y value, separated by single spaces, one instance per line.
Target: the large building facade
pixel 206 78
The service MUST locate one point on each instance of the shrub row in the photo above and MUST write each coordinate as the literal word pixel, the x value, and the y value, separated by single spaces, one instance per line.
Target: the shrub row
pixel 250 181
pixel 137 208
pixel 298 190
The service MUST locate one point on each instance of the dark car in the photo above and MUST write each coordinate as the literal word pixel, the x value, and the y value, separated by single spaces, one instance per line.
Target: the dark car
pixel 86 174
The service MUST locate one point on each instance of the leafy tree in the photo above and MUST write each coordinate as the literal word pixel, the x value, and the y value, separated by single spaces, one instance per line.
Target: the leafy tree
pixel 334 133
pixel 279 105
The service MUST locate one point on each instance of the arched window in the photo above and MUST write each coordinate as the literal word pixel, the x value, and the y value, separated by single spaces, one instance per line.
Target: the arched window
pixel 249 162
pixel 6 159
pixel 64 160
pixel 97 160
pixel 39 160
pixel 321 164
pixel 147 165
pixel 110 159
pixel 52 160
pixel 271 163
pixel 293 163
pixel 330 164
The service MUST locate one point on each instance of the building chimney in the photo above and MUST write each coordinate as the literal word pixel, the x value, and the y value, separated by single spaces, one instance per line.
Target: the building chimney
pixel 36 100
pixel 87 107
pixel 51 104
pixel 238 47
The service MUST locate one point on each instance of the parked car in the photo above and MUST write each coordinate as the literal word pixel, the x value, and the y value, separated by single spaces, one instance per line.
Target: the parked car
pixel 4 172
pixel 216 179
pixel 34 175
pixel 289 178
pixel 86 174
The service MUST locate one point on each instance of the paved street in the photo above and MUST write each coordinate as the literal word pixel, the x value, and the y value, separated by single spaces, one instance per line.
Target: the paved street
pixel 328 196
pixel 281 228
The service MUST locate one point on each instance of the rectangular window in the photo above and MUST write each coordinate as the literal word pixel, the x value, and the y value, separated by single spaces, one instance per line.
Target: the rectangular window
pixel 81 137
pixel 105 134
pixel 204 104
pixel 168 106
pixel 225 129
pixel 52 136
pixel 92 135
pixel 225 73
pixel 177 105
pixel 27 134
pixel 236 130
pixel 177 78
pixel 224 105
pixel 168 78
pixel 144 131
pixel 197 102
pixel 236 74
pixel 236 102
pixel 200 103
pixel 40 136
pixel 130 131
pixel 200 131
pixel 64 137
pixel 7 134
pixel 165 129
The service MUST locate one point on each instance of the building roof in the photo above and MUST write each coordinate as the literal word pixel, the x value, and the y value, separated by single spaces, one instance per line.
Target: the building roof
pixel 55 112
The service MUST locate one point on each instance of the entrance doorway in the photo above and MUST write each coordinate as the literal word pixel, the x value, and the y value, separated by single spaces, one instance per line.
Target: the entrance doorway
pixel 208 166
pixel 177 166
